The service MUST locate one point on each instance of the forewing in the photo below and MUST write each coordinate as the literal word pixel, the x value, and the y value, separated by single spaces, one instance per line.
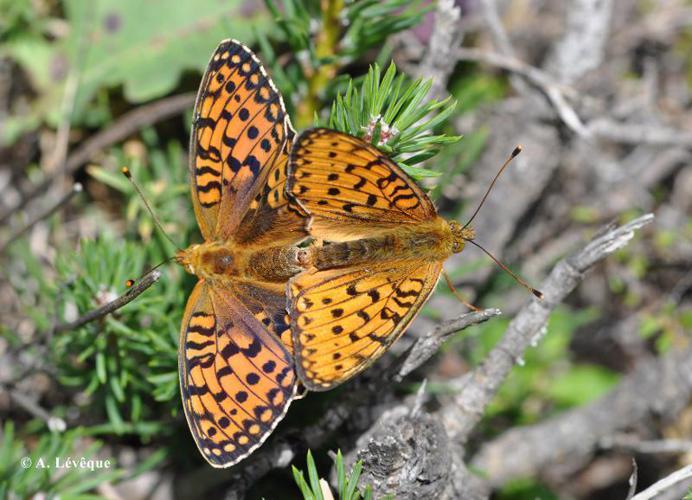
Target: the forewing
pixel 344 319
pixel 237 379
pixel 271 219
pixel 239 129
pixel 350 188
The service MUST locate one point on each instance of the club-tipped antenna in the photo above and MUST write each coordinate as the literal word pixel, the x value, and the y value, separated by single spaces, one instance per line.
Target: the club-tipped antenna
pixel 130 282
pixel 126 172
pixel 509 159
pixel 497 261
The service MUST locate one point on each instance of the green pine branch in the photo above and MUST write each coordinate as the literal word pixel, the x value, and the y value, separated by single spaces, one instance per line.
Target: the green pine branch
pixel 323 39
pixel 396 115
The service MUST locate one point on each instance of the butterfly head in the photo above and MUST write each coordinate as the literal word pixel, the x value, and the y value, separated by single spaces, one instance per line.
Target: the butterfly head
pixel 188 258
pixel 460 235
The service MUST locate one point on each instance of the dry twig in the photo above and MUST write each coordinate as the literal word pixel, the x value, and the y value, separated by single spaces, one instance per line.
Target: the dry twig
pixel 116 132
pixel 683 476
pixel 427 345
pixel 527 328
pixel 576 434
pixel 76 188
pixel 145 282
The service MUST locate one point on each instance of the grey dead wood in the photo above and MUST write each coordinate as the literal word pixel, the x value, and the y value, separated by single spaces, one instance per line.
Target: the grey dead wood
pixel 523 122
pixel 582 46
pixel 62 202
pixel 428 345
pixel 526 329
pixel 657 389
pixel 636 133
pixel 408 453
pixel 671 486
pixel 631 442
pixel 444 41
pixel 137 289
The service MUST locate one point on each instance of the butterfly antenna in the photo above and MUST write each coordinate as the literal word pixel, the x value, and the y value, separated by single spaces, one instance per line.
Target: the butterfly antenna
pixel 523 283
pixel 130 283
pixel 509 159
pixel 126 172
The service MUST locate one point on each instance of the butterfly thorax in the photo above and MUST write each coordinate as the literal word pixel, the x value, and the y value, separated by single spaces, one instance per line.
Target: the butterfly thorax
pixel 222 260
pixel 436 239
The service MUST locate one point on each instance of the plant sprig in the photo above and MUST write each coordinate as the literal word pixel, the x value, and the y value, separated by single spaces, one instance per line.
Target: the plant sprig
pixel 324 40
pixel 394 114
pixel 312 489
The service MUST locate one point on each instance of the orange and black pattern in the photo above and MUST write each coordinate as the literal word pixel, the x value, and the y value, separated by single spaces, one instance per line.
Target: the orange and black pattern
pixel 237 379
pixel 351 188
pixel 271 219
pixel 239 129
pixel 344 319
pixel 381 263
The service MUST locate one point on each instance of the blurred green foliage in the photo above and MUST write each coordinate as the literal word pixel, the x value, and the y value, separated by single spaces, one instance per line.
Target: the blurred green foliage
pixel 143 47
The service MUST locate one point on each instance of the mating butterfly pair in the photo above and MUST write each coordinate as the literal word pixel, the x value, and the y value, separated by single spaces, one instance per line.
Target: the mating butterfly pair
pixel 257 192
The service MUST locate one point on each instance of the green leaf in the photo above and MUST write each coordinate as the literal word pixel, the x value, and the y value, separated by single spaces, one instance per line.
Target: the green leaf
pixel 314 477
pixel 300 481
pixel 143 46
pixel 582 384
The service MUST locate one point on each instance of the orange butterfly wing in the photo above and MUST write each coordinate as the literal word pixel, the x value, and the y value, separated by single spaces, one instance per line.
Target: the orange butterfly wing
pixel 350 188
pixel 271 219
pixel 237 380
pixel 237 377
pixel 239 129
pixel 344 319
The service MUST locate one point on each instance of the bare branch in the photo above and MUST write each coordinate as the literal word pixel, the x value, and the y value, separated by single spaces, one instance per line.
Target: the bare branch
pixel 553 90
pixel 683 475
pixel 582 47
pixel 118 131
pixel 632 481
pixel 445 39
pixel 426 346
pixel 55 424
pixel 144 283
pixel 76 188
pixel 524 451
pixel 527 328
pixel 637 134
pixel 634 443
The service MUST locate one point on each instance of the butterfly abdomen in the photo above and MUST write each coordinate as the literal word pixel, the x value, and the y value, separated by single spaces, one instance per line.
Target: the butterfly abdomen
pixel 431 240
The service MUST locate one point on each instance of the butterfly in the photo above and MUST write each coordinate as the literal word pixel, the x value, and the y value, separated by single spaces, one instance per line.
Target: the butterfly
pixel 385 253
pixel 237 375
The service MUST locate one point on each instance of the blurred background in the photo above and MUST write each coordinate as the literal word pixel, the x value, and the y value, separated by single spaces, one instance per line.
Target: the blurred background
pixel 596 91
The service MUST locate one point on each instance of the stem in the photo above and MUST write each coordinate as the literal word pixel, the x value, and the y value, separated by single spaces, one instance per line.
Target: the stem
pixel 148 280
pixel 325 47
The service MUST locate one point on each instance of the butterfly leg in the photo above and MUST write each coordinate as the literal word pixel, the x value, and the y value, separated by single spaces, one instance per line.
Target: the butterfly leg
pixel 456 293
